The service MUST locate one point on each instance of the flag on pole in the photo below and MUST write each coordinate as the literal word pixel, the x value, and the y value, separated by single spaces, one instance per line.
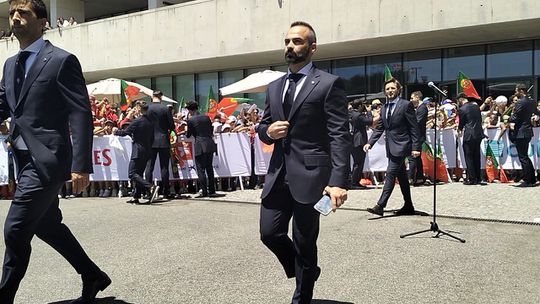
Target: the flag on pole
pixel 228 105
pixel 493 171
pixel 127 94
pixel 466 86
pixel 387 73
pixel 210 105
pixel 430 161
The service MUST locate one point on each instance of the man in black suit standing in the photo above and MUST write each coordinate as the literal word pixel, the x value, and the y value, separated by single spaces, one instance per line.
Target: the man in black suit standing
pixel 523 132
pixel 360 120
pixel 43 91
pixel 200 127
pixel 398 122
pixel 470 127
pixel 416 167
pixel 161 118
pixel 306 120
pixel 141 131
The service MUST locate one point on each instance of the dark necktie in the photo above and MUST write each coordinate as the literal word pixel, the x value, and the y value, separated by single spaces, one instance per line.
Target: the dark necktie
pixel 289 95
pixel 390 107
pixel 20 72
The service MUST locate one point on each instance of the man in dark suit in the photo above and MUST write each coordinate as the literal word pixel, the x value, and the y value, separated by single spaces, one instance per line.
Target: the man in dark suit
pixel 306 120
pixel 398 122
pixel 523 132
pixel 43 91
pixel 200 127
pixel 470 127
pixel 161 118
pixel 141 131
pixel 416 167
pixel 360 120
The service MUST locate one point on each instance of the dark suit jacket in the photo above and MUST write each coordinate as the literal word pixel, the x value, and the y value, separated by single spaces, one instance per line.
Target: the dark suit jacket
pixel 421 117
pixel 360 122
pixel 161 118
pixel 316 151
pixel 470 121
pixel 523 111
pixel 141 131
pixel 402 133
pixel 53 101
pixel 201 128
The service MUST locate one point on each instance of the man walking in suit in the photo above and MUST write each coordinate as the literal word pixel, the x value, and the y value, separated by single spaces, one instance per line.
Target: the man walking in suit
pixel 161 118
pixel 200 127
pixel 142 135
pixel 306 120
pixel 398 122
pixel 523 132
pixel 470 127
pixel 360 120
pixel 416 167
pixel 43 89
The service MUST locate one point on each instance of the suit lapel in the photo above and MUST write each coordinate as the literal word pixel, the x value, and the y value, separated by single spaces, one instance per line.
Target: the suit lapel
pixel 276 100
pixel 42 59
pixel 9 78
pixel 311 81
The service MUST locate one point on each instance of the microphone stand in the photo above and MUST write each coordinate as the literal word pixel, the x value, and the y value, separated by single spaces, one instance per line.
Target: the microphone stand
pixel 434 227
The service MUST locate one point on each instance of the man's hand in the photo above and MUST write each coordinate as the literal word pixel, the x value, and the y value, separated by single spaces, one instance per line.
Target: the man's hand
pixel 367 147
pixel 337 195
pixel 80 181
pixel 278 129
pixel 415 153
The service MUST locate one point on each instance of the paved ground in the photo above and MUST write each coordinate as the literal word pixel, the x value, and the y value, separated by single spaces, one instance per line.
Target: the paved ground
pixel 188 251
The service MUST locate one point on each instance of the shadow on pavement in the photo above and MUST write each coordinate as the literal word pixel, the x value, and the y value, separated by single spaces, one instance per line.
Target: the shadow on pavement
pixel 107 300
pixel 319 301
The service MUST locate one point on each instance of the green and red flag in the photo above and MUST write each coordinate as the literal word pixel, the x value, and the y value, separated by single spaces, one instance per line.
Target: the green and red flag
pixel 466 86
pixel 387 73
pixel 127 95
pixel 228 105
pixel 430 161
pixel 210 106
pixel 492 167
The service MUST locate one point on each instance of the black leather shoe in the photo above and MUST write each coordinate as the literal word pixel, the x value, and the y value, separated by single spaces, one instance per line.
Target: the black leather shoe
pixel 468 183
pixel 377 209
pixel 525 185
pixel 91 287
pixel 405 210
pixel 482 183
pixel 201 195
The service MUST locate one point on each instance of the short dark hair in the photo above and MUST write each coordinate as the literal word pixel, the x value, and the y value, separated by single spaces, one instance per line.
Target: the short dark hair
pixel 418 94
pixel 521 87
pixel 398 84
pixel 157 93
pixel 355 104
pixel 143 105
pixel 192 105
pixel 38 7
pixel 312 37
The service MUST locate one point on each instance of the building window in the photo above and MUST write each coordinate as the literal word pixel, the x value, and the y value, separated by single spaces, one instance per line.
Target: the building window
pixel 353 72
pixel 184 87
pixel 510 59
pixel 203 84
pixel 375 71
pixel 422 67
pixel 165 85
pixel 324 65
pixel 469 60
pixel 147 82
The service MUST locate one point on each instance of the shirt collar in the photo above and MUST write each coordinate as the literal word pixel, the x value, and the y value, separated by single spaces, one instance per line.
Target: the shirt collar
pixel 393 100
pixel 35 47
pixel 304 71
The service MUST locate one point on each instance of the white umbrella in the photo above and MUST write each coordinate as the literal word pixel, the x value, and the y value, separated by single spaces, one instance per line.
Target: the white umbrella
pixel 111 88
pixel 254 83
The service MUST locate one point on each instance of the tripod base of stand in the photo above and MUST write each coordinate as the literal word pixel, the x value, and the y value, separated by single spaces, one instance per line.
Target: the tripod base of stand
pixel 434 228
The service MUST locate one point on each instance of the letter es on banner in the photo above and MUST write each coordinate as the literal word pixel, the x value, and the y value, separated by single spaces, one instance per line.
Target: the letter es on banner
pixel 102 157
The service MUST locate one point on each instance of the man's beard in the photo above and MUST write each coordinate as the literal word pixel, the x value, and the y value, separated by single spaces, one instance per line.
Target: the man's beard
pixel 292 58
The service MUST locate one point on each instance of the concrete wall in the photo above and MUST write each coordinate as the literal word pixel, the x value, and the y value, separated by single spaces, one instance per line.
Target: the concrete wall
pixel 4 24
pixel 209 35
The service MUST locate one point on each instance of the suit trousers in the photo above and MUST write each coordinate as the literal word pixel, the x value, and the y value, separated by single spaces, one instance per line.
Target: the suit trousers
pixel 135 174
pixel 205 173
pixel 299 255
pixel 35 211
pixel 359 157
pixel 396 168
pixel 522 146
pixel 471 149
pixel 164 159
pixel 416 169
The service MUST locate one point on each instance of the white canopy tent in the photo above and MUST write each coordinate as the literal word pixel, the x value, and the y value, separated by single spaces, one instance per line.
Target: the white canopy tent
pixel 111 88
pixel 254 83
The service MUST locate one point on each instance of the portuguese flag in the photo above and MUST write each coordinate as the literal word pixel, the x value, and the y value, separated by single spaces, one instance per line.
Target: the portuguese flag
pixel 466 86
pixel 387 73
pixel 429 162
pixel 229 105
pixel 492 167
pixel 128 94
pixel 210 106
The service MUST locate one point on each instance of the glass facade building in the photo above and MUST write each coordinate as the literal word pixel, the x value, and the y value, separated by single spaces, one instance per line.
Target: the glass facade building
pixel 493 68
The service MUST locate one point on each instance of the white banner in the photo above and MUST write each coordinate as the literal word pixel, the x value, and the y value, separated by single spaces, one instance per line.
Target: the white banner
pixel 4 162
pixel 263 152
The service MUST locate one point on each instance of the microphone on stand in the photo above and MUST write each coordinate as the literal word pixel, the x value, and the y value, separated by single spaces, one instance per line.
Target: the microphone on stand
pixel 434 87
